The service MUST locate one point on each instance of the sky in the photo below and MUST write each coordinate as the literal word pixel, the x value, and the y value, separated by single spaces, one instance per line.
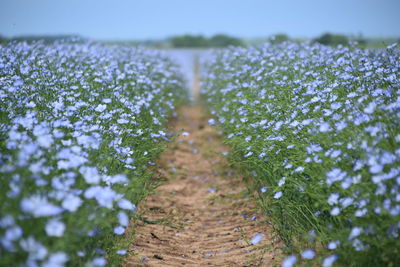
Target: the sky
pixel 157 19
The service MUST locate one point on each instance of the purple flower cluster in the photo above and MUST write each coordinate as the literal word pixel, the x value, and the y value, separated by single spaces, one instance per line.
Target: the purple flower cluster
pixel 78 124
pixel 320 126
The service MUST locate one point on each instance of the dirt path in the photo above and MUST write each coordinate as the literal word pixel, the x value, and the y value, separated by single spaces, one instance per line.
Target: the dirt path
pixel 205 215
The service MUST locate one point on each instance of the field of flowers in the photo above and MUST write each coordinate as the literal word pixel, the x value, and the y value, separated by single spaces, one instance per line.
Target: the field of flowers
pixel 319 129
pixel 79 126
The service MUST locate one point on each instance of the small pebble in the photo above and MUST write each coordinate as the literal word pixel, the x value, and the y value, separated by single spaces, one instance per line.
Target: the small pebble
pixel 211 190
pixel 208 255
pixel 158 257
pixel 185 134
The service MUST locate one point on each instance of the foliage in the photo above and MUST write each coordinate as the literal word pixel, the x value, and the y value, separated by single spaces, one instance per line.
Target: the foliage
pixel 221 40
pixel 198 41
pixel 79 126
pixel 279 38
pixel 189 41
pixel 319 129
pixel 332 39
pixel 48 39
pixel 3 39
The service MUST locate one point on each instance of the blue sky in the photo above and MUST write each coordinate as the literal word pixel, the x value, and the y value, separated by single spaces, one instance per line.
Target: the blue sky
pixel 142 19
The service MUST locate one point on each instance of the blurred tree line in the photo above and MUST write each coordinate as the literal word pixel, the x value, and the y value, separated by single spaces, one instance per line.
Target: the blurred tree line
pixel 361 41
pixel 3 39
pixel 217 41
pixel 197 41
pixel 325 39
pixel 333 39
pixel 47 39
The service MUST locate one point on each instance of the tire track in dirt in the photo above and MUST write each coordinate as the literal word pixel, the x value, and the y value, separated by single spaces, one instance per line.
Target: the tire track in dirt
pixel 205 215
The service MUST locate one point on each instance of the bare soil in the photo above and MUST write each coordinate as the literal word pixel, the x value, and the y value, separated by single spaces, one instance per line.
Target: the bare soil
pixel 202 214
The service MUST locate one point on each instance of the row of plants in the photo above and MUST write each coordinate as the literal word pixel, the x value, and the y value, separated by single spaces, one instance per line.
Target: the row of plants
pixel 319 130
pixel 79 126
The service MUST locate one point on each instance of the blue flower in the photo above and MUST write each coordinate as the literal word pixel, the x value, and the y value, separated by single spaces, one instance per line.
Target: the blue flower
pixel 119 230
pixel 289 261
pixel 263 189
pixel 308 254
pixel 256 239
